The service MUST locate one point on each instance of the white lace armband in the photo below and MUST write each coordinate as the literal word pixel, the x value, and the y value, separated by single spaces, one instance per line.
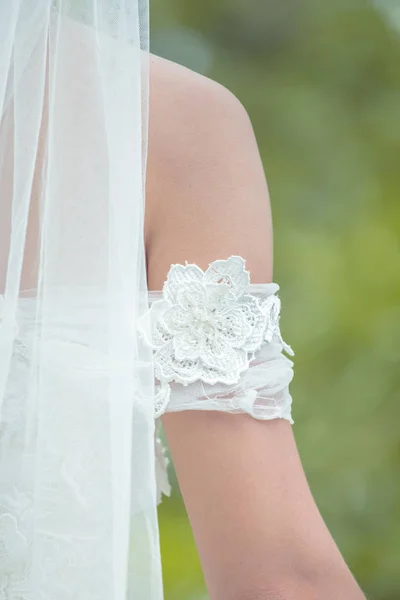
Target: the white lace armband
pixel 217 343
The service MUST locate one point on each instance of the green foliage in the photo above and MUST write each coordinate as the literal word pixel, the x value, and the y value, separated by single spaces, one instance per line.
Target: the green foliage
pixel 321 82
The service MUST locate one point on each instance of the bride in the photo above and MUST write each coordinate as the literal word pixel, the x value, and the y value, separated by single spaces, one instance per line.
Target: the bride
pixel 135 296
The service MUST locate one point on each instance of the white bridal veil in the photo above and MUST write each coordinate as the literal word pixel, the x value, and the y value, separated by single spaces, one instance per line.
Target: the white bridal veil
pixel 77 485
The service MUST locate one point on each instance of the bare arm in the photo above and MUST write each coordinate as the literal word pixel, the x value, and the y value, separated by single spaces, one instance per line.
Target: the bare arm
pixel 258 531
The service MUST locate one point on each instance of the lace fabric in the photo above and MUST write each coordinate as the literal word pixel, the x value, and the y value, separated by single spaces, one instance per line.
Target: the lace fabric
pixel 217 343
pixel 75 468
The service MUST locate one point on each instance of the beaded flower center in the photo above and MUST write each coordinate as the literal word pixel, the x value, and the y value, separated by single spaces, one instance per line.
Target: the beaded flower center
pixel 204 318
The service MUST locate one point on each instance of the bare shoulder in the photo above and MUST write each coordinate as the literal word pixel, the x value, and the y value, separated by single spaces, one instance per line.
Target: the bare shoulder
pixel 207 196
pixel 185 85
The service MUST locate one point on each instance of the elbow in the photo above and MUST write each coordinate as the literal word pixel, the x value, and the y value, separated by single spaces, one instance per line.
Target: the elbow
pixel 289 576
pixel 313 582
pixel 293 587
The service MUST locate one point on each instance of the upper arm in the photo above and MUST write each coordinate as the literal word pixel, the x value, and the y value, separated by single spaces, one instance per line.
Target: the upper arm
pixel 246 494
pixel 207 196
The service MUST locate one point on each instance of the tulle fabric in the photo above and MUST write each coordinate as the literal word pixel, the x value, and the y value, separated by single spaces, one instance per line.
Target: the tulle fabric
pixel 78 458
pixel 262 391
pixel 77 479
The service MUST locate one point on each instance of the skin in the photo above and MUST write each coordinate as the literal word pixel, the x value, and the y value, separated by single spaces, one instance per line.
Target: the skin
pixel 258 530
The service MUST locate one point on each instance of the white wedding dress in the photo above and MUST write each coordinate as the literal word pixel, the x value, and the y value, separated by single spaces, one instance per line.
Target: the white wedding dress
pixel 217 346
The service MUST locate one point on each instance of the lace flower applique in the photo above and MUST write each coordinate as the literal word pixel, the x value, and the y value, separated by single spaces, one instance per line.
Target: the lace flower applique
pixel 207 327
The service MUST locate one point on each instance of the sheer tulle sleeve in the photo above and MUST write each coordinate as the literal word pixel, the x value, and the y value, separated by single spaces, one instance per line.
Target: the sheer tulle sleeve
pixel 217 343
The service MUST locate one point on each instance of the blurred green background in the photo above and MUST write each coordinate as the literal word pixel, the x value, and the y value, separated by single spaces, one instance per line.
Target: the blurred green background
pixel 321 82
